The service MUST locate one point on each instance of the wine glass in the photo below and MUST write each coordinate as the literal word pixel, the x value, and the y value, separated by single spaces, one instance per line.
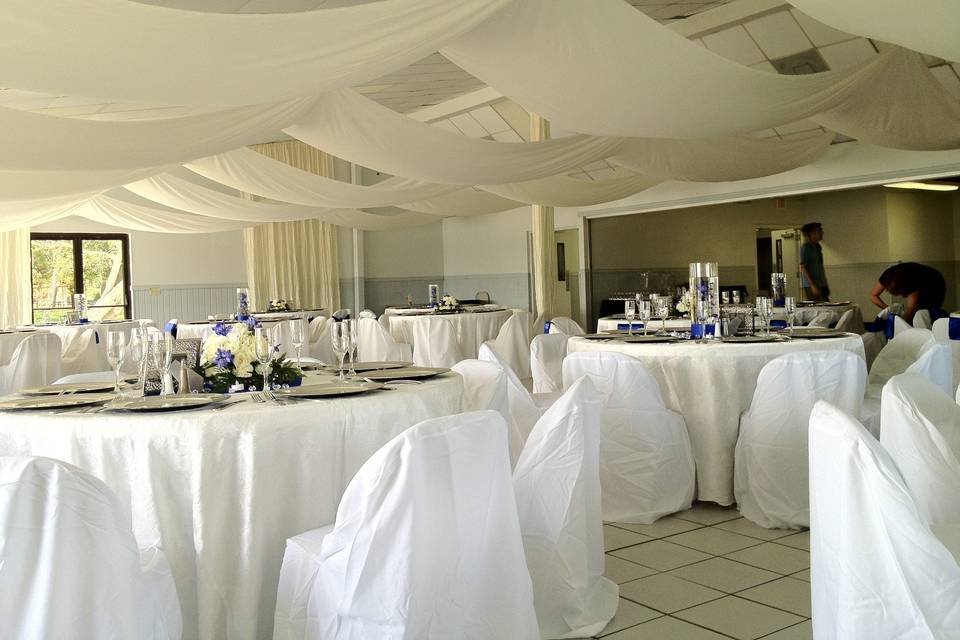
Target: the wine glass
pixel 790 307
pixel 161 358
pixel 661 308
pixel 261 341
pixel 353 347
pixel 116 351
pixel 630 312
pixel 643 313
pixel 762 313
pixel 298 332
pixel 340 335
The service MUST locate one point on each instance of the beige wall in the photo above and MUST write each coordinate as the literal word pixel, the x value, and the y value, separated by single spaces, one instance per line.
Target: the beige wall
pixel 417 251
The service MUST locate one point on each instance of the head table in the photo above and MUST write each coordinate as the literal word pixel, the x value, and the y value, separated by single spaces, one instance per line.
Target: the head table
pixel 711 384
pixel 473 327
pixel 222 490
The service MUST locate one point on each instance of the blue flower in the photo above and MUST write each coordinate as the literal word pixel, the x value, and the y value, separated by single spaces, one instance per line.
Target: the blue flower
pixel 221 329
pixel 251 323
pixel 223 359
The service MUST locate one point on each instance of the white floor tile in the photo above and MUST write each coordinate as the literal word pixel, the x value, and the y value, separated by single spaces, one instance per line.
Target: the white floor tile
pixel 726 575
pixel 747 528
pixel 773 557
pixel 628 615
pixel 662 528
pixel 708 513
pixel 713 541
pixel 614 538
pixel 802 631
pixel 663 556
pixel 620 570
pixel 739 618
pixel 667 593
pixel 665 628
pixel 800 540
pixel 788 594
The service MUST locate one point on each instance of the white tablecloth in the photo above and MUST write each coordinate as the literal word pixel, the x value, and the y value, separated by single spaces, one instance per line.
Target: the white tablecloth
pixel 222 490
pixel 711 385
pixel 70 332
pixel 473 329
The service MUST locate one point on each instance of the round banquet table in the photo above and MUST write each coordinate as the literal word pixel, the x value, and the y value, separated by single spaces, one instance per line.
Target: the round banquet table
pixel 221 491
pixel 70 332
pixel 711 384
pixel 473 328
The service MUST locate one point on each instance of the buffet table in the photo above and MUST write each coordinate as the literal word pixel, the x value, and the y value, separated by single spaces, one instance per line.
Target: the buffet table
pixel 222 489
pixel 711 384
pixel 473 327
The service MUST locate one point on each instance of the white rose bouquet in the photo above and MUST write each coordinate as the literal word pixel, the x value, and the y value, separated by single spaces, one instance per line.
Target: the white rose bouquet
pixel 229 358
pixel 448 304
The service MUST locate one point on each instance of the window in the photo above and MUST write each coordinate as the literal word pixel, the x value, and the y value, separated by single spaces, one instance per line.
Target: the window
pixel 96 264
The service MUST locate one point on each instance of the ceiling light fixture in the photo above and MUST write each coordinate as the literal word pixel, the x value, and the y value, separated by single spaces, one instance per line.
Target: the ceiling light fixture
pixel 929 186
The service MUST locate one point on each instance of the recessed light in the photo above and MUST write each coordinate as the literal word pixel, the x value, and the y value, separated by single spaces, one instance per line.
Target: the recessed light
pixel 928 186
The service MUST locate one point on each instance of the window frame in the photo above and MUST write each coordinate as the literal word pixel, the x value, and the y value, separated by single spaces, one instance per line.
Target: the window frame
pixel 77 240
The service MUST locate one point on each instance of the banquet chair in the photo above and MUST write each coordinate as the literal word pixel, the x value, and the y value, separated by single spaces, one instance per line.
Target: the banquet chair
pixel 941 333
pixel 941 329
pixel 82 354
pixel 546 362
pixel 384 321
pixel 71 567
pixel 646 464
pixel 922 319
pixel 435 343
pixel 557 484
pixel 485 388
pixel 823 319
pixel 35 362
pixel 920 429
pixel 512 345
pixel 319 345
pixel 877 569
pixel 851 322
pixel 566 325
pixel 375 344
pixel 367 313
pixel 523 407
pixel 898 354
pixel 426 544
pixel 770 462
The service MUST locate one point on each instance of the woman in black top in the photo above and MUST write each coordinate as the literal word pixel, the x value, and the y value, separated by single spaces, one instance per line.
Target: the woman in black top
pixel 922 286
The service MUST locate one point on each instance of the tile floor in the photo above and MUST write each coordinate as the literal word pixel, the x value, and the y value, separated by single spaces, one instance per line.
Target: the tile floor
pixel 708 574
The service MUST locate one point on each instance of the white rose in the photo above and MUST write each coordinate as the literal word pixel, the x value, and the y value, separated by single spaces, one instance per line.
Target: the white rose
pixel 211 345
pixel 242 365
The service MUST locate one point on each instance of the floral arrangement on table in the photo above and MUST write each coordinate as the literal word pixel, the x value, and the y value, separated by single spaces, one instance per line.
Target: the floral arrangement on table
pixel 229 362
pixel 449 304
pixel 684 305
pixel 280 305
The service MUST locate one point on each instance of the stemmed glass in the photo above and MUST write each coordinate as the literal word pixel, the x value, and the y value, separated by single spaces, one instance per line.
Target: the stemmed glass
pixel 298 332
pixel 352 346
pixel 340 335
pixel 116 351
pixel 138 351
pixel 161 359
pixel 790 307
pixel 261 341
pixel 661 309
pixel 643 312
pixel 763 312
pixel 630 312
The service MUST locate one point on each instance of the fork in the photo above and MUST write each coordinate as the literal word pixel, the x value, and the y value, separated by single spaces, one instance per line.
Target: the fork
pixel 258 397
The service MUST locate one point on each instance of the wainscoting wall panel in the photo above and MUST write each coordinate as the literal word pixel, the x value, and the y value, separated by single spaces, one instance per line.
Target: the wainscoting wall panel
pixel 160 303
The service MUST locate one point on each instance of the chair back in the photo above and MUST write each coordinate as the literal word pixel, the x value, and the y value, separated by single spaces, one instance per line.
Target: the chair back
pixel 512 345
pixel 851 322
pixel 920 429
pixel 427 537
pixel 566 325
pixel 822 319
pixel 367 313
pixel 922 320
pixel 523 410
pixel 35 362
pixel 435 342
pixel 82 353
pixel 899 353
pixel 936 364
pixel 375 344
pixel 557 484
pixel 876 569
pixel 546 362
pixel 320 345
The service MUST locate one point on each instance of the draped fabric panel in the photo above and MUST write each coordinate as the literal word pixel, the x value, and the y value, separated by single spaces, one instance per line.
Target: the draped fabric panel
pixel 294 260
pixel 930 26
pixel 172 56
pixel 564 191
pixel 544 255
pixel 15 294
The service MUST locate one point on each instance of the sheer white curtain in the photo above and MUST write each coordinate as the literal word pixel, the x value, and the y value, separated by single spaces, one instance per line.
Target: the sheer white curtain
pixel 15 278
pixel 294 260
pixel 544 255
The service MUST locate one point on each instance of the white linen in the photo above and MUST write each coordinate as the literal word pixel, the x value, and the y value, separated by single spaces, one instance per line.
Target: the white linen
pixel 922 320
pixel 566 326
pixel 564 191
pixel 435 343
pixel 523 409
pixel 851 322
pixel 84 346
pixel 172 56
pixel 284 468
pixel 512 345
pixel 546 362
pixel 936 364
pixel 375 344
pixel 646 465
pixel 920 429
pixel 320 342
pixel 15 292
pixel 900 353
pixel 941 332
pixel 485 388
pixel 929 26
pixel 557 484
pixel 770 466
pixel 470 329
pixel 71 567
pixel 711 385
pixel 823 320
pixel 876 569
pixel 35 362
pixel 426 544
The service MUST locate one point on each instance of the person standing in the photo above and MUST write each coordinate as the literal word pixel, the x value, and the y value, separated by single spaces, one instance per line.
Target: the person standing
pixel 813 278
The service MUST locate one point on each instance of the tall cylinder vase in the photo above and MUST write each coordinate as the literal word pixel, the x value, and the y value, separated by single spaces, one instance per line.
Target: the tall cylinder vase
pixel 705 296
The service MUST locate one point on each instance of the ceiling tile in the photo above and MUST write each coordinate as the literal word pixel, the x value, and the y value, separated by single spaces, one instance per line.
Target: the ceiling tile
pixel 507 136
pixel 469 126
pixel 764 66
pixel 446 125
pixel 490 119
pixel 844 54
pixel 778 34
pixel 819 33
pixel 734 44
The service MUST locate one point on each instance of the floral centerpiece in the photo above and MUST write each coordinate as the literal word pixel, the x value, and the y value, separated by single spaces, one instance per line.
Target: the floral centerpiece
pixel 229 361
pixel 449 304
pixel 683 305
pixel 279 305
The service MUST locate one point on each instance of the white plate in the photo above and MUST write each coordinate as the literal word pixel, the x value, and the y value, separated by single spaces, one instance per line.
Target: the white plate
pixel 409 373
pixel 54 402
pixel 332 390
pixel 69 388
pixel 167 403
pixel 372 366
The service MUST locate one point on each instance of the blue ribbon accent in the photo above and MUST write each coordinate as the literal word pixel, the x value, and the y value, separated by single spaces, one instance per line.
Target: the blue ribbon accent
pixel 889 327
pixel 171 328
pixel 623 326
pixel 779 323
pixel 546 326
pixel 954 328
pixel 96 336
pixel 696 330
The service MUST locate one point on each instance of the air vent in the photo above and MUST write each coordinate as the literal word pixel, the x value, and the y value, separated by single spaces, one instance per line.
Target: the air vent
pixel 801 63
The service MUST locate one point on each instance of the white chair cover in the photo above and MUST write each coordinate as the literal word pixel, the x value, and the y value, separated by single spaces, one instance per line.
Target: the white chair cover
pixel 941 329
pixel 936 364
pixel 822 319
pixel 920 429
pixel 646 465
pixel 876 569
pixel 426 545
pixel 557 483
pixel 851 321
pixel 435 343
pixel 384 321
pixel 566 325
pixel 35 362
pixel 485 388
pixel 83 354
pixel 898 354
pixel 374 344
pixel 512 344
pixel 524 411
pixel 70 564
pixel 93 376
pixel 941 333
pixel 320 345
pixel 922 320
pixel 547 352
pixel 900 325
pixel 770 465
pixel 367 313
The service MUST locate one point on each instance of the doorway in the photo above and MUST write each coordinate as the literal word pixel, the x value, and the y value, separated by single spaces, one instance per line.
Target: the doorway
pixel 778 251
pixel 568 273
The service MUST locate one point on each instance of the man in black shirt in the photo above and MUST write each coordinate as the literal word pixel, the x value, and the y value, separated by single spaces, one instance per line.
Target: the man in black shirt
pixel 922 286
